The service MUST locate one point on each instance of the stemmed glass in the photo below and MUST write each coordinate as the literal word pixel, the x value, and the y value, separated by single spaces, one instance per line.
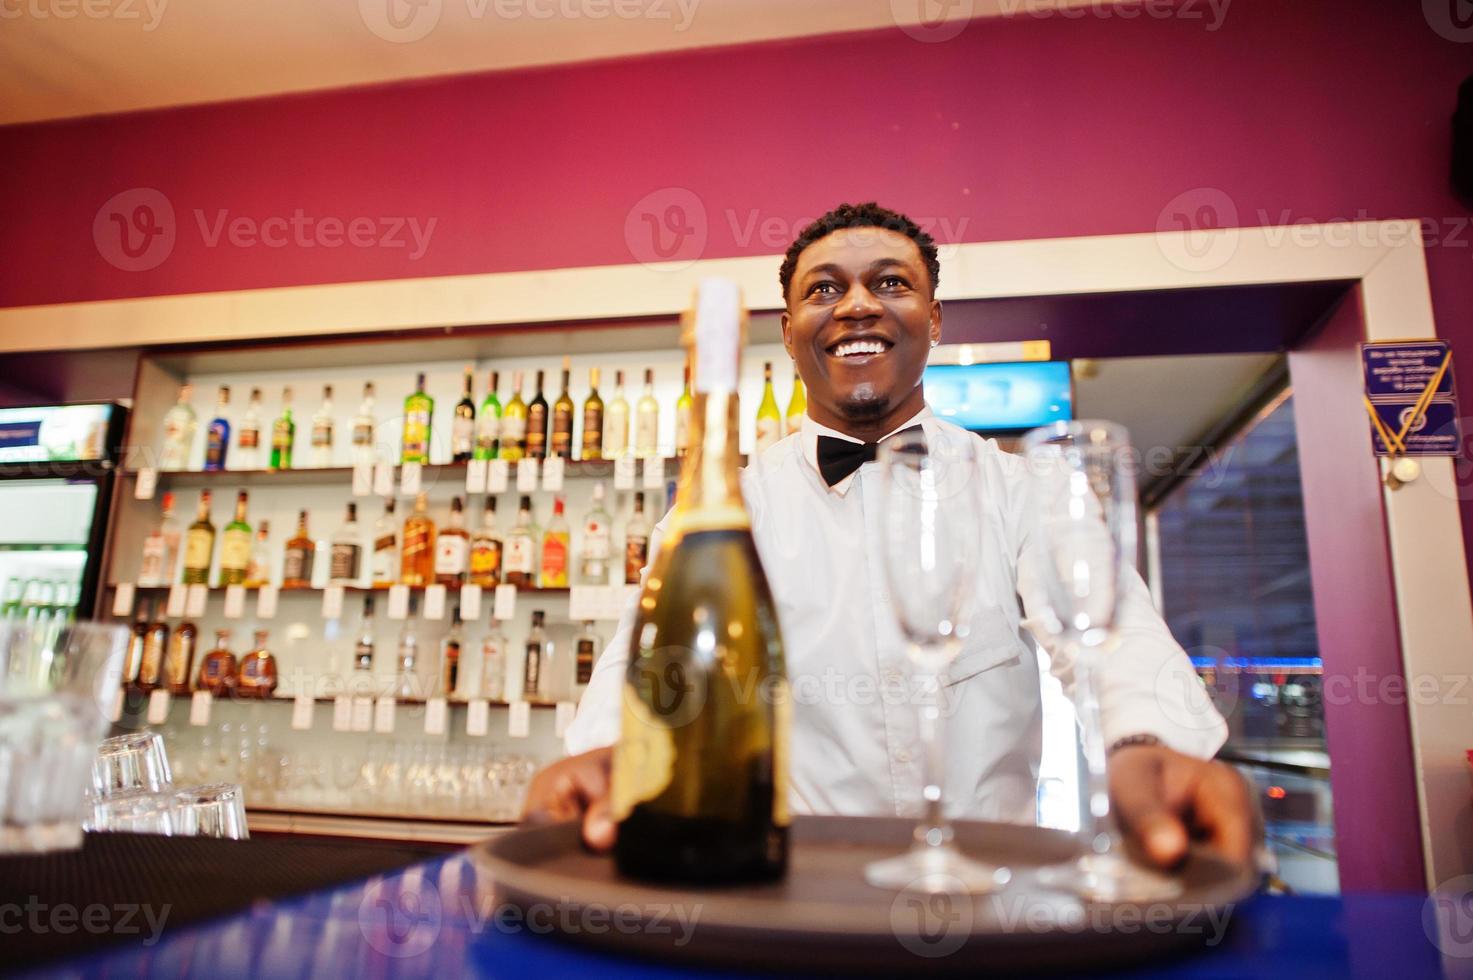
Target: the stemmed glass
pixel 932 527
pixel 1086 494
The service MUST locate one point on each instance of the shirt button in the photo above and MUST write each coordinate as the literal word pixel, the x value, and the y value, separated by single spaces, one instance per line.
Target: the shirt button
pixel 902 756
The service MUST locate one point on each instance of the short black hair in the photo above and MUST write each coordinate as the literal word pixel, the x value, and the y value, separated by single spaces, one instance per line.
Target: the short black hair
pixel 867 215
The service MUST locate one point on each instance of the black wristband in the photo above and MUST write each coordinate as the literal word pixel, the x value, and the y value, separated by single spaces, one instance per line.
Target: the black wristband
pixel 1129 740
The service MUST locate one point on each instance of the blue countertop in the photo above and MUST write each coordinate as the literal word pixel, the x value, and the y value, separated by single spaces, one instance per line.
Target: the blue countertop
pixel 439 918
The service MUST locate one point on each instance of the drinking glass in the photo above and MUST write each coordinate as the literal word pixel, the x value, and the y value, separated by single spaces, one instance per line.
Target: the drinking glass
pixel 1087 535
pixel 54 690
pixel 138 812
pixel 932 527
pixel 131 763
pixel 217 810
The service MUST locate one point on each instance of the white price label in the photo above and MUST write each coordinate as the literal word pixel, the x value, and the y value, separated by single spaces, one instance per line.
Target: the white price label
pixel 654 474
pixel 478 718
pixel 383 715
pixel 332 602
pixel 362 479
pixel 158 706
pixel 436 710
pixel 234 601
pixel 362 714
pixel 194 605
pixel 411 478
pixel 199 708
pixel 470 603
pixel 123 599
pixel 302 709
pixel 519 719
pixel 178 596
pixel 526 475
pixel 581 602
pixel 497 475
pixel 398 602
pixel 148 481
pixel 475 476
pixel 624 472
pixel 115 710
pixel 266 602
pixel 383 480
pixel 342 713
pixel 505 606
pixel 434 602
pixel 552 474
pixel 566 711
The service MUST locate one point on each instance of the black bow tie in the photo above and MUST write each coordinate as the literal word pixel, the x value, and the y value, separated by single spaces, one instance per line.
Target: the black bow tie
pixel 837 458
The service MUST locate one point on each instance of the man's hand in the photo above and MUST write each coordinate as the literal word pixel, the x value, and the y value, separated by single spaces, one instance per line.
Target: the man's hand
pixel 1164 799
pixel 571 788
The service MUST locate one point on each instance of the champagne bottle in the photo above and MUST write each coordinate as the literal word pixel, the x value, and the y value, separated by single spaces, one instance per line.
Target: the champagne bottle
pixel 797 407
pixel 537 423
pixel 647 420
pixel 488 426
pixel 419 410
pixel 562 419
pixel 199 545
pixel 769 422
pixel 463 428
pixel 616 421
pixel 235 546
pixel 513 443
pixel 593 419
pixel 283 434
pixel 699 784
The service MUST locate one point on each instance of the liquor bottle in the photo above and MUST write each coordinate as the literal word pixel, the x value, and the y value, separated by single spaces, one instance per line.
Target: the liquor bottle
pixel 417 556
pixel 419 411
pixel 179 664
pixel 463 425
pixel 647 420
pixel 386 569
pixel 797 407
pixel 682 417
pixel 257 675
pixel 179 426
pixel 616 421
pixel 555 542
pixel 258 573
pixel 235 546
pixel 485 569
pixel 283 434
pixel 453 549
pixel 248 442
pixel 636 542
pixel 406 670
pixel 217 670
pixel 512 445
pixel 538 652
pixel 593 419
pixel 537 423
pixel 133 659
pixel 161 548
pixel 363 648
pixel 199 545
pixel 450 656
pixel 493 663
pixel 488 424
pixel 217 436
pixel 562 419
pixel 585 653
pixel 155 646
pixel 596 548
pixel 365 429
pixel 322 426
pixel 769 421
pixel 700 791
pixel 10 599
pixel 345 561
pixel 296 567
pixel 519 562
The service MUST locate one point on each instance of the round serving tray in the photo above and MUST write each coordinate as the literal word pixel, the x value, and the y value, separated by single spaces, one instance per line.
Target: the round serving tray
pixel 824 914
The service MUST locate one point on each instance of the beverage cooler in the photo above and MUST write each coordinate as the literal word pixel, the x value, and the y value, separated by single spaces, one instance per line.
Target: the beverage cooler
pixel 57 467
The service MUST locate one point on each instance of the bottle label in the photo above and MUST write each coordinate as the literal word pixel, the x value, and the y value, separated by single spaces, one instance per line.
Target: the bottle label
pixel 181 655
pixel 555 560
pixel 768 432
pixel 235 551
pixel 593 432
pixel 488 428
pixel 485 561
pixel 514 428
pixel 151 570
pixel 682 428
pixel 362 434
pixel 644 756
pixel 281 435
pixel 253 668
pixel 462 435
pixel 343 564
pixel 792 423
pixel 648 432
pixel 450 555
pixel 153 657
pixel 562 430
pixel 383 559
pixel 616 438
pixel 215 668
pixel 533 673
pixel 597 545
pixel 250 438
pixel 322 435
pixel 536 430
pixel 416 436
pixel 363 655
pixel 518 556
pixel 298 565
pixel 584 660
pixel 217 440
pixel 636 554
pixel 197 548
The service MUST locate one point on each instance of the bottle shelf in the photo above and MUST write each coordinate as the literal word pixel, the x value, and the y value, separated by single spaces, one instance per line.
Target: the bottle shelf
pixel 430 475
pixel 384 590
pixel 323 699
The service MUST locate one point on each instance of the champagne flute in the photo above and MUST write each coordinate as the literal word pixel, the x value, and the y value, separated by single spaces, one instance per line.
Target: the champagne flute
pixel 932 530
pixel 1087 538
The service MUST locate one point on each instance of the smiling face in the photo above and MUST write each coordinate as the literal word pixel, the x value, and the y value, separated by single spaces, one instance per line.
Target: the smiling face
pixel 859 323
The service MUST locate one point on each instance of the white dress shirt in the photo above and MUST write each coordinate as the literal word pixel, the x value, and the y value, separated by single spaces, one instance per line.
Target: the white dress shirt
pixel 855 747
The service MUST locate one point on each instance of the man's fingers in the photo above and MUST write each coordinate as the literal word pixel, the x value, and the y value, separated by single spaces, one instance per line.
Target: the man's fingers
pixel 1144 806
pixel 567 789
pixel 1224 810
pixel 598 826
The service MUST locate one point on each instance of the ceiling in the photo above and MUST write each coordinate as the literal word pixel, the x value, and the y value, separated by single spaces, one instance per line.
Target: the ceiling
pixel 65 58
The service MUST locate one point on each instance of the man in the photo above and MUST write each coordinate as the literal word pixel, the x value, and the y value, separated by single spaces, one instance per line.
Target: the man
pixel 859 285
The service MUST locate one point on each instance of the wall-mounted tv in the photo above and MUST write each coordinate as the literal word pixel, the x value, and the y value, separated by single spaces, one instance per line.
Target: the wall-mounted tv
pixel 1001 398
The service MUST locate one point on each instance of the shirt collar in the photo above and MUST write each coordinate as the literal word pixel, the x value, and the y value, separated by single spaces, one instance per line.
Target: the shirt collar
pixel 811 430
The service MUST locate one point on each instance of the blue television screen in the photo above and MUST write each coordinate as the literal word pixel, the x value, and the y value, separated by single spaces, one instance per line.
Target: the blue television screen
pixel 1009 397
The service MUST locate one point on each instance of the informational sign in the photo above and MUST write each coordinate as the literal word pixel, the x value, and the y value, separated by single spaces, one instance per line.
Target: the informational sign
pixel 1411 397
pixel 61 433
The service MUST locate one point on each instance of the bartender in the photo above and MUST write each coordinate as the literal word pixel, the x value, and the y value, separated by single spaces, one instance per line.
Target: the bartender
pixel 860 289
